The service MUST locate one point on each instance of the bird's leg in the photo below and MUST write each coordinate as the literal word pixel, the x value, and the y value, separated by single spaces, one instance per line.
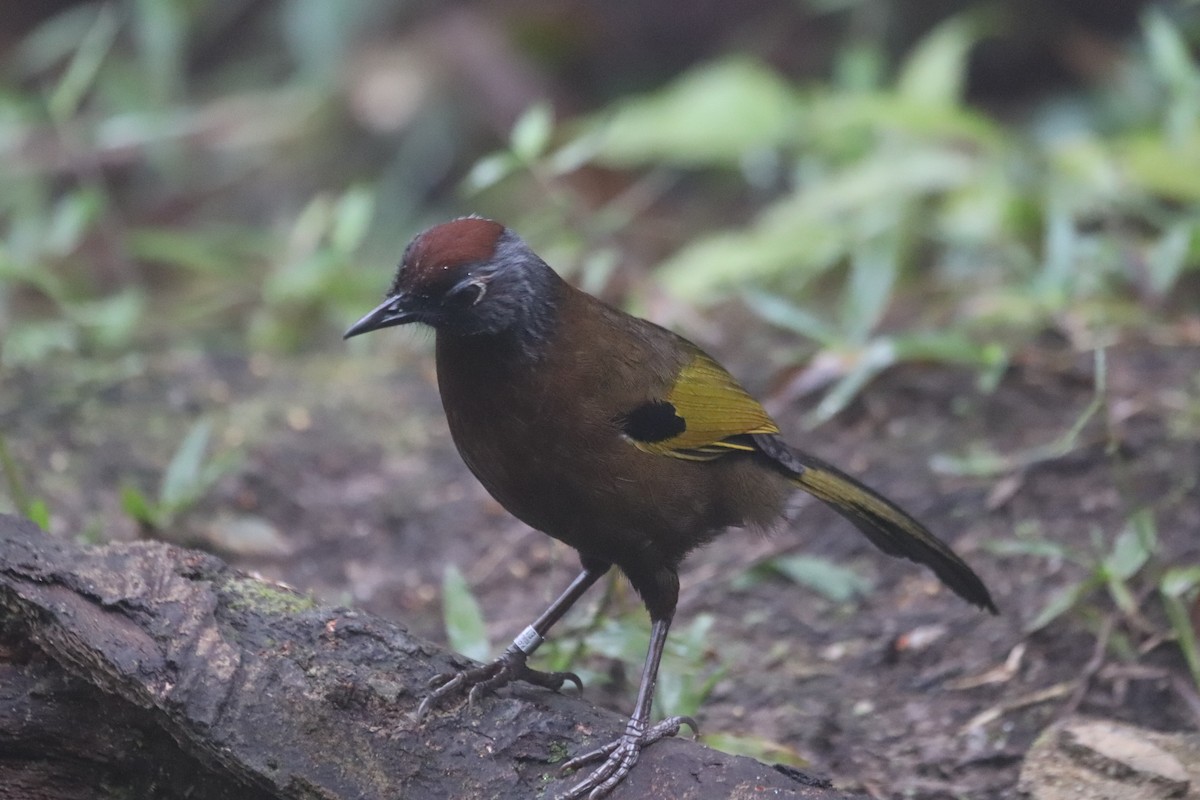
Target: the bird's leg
pixel 511 666
pixel 619 756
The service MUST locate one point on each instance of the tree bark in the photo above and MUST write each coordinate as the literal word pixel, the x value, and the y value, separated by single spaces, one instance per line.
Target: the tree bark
pixel 151 671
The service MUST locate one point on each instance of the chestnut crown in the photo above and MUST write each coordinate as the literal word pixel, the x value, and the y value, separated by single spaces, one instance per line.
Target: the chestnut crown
pixel 470 276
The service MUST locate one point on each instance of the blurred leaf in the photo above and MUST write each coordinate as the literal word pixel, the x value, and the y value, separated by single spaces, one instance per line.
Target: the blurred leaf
pixel 221 251
pixel 73 216
pixel 39 513
pixel 110 321
pixel 684 684
pixel 1156 168
pixel 311 279
pixel 31 342
pixel 1178 581
pixel 576 153
pixel 1169 53
pixel 988 463
pixel 161 30
pixel 935 71
pixel 781 313
pixel 138 507
pixel 874 188
pixel 759 747
pixel 490 170
pixel 1119 591
pixel 187 477
pixel 1061 602
pixel 691 642
pixel 182 481
pixel 13 479
pixel 302 280
pixel 465 628
pixel 319 34
pixel 85 64
pixel 859 67
pixel 1043 548
pixel 1175 585
pixel 351 219
pixel 713 115
pixel 1053 284
pixel 1185 634
pixel 625 638
pixel 54 40
pixel 874 265
pixel 812 230
pixel 1168 257
pixel 833 581
pixel 531 133
pixel 835 119
pixel 713 262
pixel 875 357
pixel 879 354
pixel 978 463
pixel 1133 547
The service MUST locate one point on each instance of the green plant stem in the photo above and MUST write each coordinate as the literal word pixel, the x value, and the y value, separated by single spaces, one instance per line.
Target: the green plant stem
pixel 12 476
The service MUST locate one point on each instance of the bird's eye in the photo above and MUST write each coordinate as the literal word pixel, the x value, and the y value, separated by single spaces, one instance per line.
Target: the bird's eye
pixel 468 293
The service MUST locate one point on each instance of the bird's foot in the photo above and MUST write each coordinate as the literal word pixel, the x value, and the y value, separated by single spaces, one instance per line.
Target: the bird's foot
pixel 487 678
pixel 619 757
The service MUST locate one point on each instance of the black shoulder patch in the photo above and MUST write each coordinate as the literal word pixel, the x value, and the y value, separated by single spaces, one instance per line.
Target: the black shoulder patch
pixel 652 422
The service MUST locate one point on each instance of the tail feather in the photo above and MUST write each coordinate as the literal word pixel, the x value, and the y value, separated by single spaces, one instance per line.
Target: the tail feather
pixel 883 522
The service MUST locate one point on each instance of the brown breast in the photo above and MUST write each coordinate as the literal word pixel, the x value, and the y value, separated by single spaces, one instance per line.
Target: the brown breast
pixel 542 435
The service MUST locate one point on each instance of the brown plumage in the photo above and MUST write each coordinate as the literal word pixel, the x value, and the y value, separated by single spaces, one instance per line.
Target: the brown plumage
pixel 613 435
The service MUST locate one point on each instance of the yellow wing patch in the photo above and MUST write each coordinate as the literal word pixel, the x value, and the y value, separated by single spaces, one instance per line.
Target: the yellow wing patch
pixel 713 409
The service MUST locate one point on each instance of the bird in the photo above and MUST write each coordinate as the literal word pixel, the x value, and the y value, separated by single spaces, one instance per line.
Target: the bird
pixel 615 436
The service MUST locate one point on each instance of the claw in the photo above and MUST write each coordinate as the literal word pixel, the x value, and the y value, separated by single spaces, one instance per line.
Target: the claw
pixel 618 758
pixel 589 757
pixel 553 680
pixel 481 680
pixel 441 679
pixel 474 695
pixel 573 678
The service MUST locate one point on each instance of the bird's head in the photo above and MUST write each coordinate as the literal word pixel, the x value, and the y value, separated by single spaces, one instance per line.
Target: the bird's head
pixel 468 276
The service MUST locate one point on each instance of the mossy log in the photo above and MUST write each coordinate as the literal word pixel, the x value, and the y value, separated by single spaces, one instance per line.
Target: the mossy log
pixel 146 670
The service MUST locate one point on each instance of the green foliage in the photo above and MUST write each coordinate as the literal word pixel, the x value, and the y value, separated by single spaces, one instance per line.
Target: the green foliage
pixel 933 74
pixel 759 747
pixel 688 677
pixel 97 265
pixel 689 667
pixel 687 674
pixel 1179 587
pixel 314 282
pixel 717 114
pixel 465 626
pixel 1120 569
pixel 876 186
pixel 828 579
pixel 986 463
pixel 188 477
pixel 861 184
pixel 569 239
pixel 34 508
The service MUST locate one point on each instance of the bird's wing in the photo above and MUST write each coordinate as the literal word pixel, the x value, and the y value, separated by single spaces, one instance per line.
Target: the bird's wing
pixel 705 415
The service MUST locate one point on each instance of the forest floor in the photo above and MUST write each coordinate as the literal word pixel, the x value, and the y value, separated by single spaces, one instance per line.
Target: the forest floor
pixel 349 487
